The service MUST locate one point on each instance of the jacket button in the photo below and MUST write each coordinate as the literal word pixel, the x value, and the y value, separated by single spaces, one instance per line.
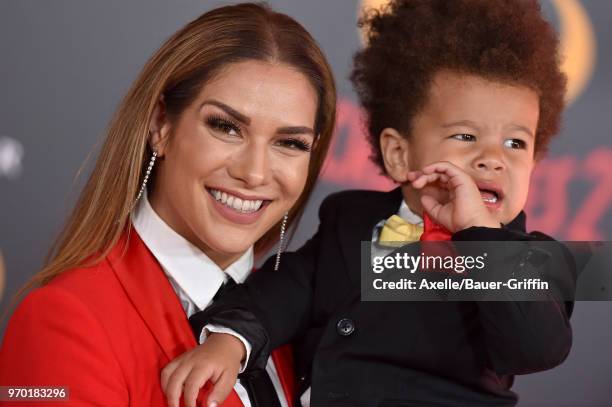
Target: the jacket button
pixel 345 327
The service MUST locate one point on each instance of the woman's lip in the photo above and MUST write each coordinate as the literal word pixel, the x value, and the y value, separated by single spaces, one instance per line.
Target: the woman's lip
pixel 240 195
pixel 235 216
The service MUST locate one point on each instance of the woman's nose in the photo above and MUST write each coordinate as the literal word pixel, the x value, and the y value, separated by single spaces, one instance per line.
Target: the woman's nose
pixel 251 165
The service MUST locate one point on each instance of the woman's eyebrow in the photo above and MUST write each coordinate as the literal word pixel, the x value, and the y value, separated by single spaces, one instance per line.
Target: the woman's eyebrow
pixel 288 130
pixel 229 110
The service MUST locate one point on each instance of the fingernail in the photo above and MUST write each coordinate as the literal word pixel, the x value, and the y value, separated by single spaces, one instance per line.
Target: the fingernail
pixel 213 404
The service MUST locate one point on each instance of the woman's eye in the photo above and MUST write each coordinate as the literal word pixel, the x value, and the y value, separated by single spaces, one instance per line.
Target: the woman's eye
pixel 516 144
pixel 294 144
pixel 464 137
pixel 222 125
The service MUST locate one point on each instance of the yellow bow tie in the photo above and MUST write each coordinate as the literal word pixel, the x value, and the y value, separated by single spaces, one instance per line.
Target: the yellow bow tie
pixel 397 231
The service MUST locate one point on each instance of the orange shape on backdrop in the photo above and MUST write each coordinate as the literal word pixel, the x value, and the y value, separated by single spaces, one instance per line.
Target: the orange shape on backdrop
pixel 577 38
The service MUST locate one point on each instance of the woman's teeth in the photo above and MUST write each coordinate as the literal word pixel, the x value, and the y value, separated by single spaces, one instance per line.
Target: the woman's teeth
pixel 237 204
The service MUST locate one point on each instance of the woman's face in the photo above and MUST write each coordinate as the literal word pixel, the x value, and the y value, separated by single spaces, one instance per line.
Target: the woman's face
pixel 236 159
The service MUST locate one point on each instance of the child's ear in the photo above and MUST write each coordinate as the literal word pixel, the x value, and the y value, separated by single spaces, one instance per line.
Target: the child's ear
pixel 159 128
pixel 395 153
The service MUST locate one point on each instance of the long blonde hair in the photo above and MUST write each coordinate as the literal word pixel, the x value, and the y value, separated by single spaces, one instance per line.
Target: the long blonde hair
pixel 176 72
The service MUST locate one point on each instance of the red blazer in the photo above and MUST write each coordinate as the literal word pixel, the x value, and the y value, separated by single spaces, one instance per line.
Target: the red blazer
pixel 106 332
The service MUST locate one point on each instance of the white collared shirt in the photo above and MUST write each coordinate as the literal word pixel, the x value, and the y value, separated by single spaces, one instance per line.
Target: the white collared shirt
pixel 194 276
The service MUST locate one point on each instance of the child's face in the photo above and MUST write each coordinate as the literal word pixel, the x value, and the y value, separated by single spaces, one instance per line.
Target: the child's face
pixel 485 128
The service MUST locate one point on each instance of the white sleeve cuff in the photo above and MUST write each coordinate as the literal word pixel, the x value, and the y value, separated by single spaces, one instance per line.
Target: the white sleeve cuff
pixel 223 330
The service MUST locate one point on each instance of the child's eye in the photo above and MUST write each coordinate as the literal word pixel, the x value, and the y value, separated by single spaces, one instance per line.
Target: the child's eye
pixel 294 143
pixel 464 137
pixel 516 144
pixel 222 125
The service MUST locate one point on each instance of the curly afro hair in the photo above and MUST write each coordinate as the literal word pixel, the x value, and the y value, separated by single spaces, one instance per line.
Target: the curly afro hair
pixel 409 41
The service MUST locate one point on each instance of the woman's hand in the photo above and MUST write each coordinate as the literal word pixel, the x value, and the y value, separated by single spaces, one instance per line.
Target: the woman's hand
pixel 217 360
pixel 451 198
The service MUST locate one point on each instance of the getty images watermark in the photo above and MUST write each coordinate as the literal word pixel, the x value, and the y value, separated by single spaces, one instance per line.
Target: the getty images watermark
pixel 486 271
pixel 449 263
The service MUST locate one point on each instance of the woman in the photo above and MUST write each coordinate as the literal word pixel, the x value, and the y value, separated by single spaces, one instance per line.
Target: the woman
pixel 213 152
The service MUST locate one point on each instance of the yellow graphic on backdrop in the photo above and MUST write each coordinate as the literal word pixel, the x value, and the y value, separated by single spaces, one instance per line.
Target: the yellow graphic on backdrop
pixel 578 43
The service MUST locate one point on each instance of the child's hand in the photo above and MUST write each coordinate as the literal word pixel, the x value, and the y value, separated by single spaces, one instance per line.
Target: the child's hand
pixel 217 360
pixel 451 197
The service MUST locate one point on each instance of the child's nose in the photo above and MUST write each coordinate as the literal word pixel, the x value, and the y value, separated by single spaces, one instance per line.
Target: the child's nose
pixel 489 160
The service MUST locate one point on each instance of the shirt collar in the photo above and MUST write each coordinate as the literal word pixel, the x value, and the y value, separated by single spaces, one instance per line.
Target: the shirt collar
pixel 405 213
pixel 194 272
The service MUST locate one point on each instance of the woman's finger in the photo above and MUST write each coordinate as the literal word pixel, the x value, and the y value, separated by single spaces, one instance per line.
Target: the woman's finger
pixel 193 383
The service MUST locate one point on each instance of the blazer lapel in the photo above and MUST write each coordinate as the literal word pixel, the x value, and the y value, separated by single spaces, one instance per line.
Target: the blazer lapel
pixel 152 295
pixel 356 224
pixel 147 286
pixel 283 361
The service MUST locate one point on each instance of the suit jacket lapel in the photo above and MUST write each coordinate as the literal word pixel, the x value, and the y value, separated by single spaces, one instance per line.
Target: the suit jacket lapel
pixel 152 295
pixel 283 361
pixel 356 223
pixel 147 286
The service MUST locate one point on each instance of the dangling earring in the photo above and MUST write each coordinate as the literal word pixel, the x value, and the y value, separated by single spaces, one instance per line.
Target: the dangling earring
pixel 146 178
pixel 280 243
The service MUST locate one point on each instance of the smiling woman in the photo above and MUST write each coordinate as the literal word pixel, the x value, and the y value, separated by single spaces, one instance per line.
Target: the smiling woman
pixel 215 149
pixel 246 140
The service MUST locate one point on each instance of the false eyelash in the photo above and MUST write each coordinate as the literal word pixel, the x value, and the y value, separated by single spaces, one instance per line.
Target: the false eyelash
pixel 223 124
pixel 297 143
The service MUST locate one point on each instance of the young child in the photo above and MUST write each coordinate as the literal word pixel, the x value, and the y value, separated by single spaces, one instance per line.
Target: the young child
pixel 462 97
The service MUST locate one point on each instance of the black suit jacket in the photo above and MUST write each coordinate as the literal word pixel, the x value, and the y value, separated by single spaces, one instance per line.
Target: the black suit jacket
pixel 356 353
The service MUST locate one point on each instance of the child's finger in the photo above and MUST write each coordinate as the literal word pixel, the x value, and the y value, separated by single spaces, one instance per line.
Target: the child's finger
pixel 426 179
pixel 222 388
pixel 442 166
pixel 456 177
pixel 423 180
pixel 432 207
pixel 167 372
pixel 412 175
pixel 447 168
pixel 175 384
pixel 194 382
